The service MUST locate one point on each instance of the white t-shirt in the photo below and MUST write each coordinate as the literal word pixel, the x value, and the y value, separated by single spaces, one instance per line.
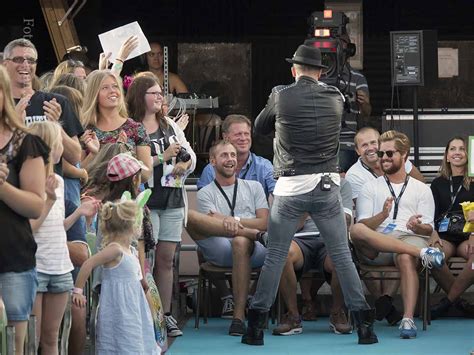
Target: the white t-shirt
pixel 357 176
pixel 250 197
pixel 417 199
pixel 52 256
pixel 300 184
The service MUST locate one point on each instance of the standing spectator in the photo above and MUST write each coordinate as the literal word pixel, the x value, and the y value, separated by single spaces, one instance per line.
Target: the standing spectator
pixel 124 322
pixel 154 63
pixel 357 108
pixel 20 60
pixel 173 161
pixel 104 115
pixel 22 188
pixel 452 187
pixel 53 263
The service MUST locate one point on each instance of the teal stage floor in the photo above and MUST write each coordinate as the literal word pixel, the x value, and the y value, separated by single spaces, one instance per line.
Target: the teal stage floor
pixel 449 336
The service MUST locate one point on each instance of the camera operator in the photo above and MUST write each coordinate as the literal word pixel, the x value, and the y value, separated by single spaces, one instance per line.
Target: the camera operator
pixel 355 89
pixel 306 117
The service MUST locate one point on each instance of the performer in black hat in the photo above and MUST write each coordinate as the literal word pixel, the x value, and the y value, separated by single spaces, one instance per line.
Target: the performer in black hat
pixel 306 117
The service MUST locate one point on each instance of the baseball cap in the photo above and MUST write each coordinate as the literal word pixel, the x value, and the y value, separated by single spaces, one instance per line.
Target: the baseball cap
pixel 122 166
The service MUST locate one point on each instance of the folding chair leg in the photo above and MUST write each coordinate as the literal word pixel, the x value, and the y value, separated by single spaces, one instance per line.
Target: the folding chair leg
pixel 31 346
pixel 426 292
pixel 207 300
pixel 65 329
pixel 198 302
pixel 10 330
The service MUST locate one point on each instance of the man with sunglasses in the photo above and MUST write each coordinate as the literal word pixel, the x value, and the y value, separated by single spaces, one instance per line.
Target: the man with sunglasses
pixel 20 58
pixel 368 168
pixel 395 220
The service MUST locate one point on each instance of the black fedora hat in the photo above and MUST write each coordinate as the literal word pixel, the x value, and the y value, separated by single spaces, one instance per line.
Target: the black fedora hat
pixel 307 55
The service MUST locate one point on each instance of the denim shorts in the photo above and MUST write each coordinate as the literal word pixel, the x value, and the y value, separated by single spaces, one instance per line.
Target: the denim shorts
pixel 167 224
pixel 54 283
pixel 18 290
pixel 218 251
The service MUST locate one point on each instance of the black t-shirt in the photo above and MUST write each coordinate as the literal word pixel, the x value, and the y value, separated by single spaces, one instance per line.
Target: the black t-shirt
pixel 68 119
pixel 442 195
pixel 163 198
pixel 17 245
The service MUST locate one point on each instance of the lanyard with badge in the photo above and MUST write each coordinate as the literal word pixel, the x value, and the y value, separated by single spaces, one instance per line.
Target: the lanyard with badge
pixel 234 197
pixel 369 169
pixel 443 225
pixel 396 201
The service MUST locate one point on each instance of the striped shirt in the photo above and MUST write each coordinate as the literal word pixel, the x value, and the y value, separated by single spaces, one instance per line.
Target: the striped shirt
pixel 52 256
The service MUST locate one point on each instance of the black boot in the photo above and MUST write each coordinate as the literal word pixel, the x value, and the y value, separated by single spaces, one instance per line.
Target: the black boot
pixel 257 320
pixel 364 321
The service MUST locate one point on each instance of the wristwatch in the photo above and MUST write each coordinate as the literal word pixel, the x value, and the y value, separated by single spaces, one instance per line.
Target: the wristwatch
pixel 237 218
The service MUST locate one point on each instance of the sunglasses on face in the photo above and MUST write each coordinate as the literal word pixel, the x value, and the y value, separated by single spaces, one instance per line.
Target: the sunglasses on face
pixel 20 60
pixel 389 153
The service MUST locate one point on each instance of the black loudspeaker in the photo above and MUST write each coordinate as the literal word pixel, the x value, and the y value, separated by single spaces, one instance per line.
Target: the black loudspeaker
pixel 414 57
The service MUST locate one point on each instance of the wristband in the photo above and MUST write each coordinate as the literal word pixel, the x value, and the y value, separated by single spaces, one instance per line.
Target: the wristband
pixel 120 60
pixel 77 291
pixel 117 65
pixel 160 158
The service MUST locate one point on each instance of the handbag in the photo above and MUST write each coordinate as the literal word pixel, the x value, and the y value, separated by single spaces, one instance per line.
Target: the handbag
pixel 452 222
pixel 456 223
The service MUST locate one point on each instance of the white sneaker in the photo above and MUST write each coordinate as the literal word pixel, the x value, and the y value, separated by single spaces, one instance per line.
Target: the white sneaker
pixel 172 326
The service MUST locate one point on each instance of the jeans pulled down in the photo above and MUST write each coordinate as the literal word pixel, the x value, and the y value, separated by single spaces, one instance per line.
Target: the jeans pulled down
pixel 325 208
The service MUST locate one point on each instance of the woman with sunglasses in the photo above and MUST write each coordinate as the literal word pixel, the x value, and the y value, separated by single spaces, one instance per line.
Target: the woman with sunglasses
pixel 173 161
pixel 450 188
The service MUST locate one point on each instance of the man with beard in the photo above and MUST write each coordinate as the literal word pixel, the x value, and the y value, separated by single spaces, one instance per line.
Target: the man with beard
pixel 231 213
pixel 367 168
pixel 237 129
pixel 395 219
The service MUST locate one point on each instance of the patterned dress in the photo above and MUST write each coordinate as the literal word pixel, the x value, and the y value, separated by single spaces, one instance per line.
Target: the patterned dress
pixel 135 132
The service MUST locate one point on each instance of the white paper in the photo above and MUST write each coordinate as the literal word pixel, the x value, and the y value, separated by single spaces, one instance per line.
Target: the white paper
pixel 113 39
pixel 448 62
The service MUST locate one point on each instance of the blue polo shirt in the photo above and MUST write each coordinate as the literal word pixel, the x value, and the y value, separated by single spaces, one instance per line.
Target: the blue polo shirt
pixel 255 168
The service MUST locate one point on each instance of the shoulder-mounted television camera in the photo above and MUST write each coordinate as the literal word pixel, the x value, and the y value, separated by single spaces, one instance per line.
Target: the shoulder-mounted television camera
pixel 328 33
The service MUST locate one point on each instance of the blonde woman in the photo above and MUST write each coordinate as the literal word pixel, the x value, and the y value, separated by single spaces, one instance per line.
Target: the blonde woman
pixel 104 115
pixel 22 187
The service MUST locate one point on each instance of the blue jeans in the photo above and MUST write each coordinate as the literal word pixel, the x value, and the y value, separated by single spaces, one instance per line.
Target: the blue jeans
pixel 326 210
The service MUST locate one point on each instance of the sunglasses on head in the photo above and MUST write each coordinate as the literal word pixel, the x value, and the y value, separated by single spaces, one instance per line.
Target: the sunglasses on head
pixel 389 153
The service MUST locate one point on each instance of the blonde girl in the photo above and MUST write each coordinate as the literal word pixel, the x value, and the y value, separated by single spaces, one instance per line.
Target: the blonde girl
pixel 53 263
pixel 124 320
pixel 105 118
